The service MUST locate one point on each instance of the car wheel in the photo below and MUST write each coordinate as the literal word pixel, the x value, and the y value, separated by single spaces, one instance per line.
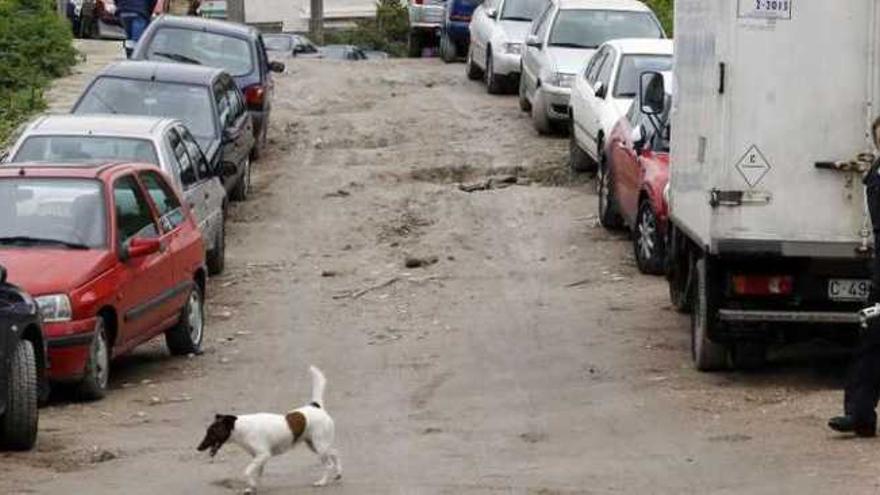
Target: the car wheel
pixel 494 82
pixel 187 336
pixel 216 259
pixel 524 103
pixel 18 425
pixel 648 243
pixel 474 73
pixel 97 375
pixel 539 114
pixel 707 355
pixel 243 188
pixel 608 216
pixel 447 49
pixel 578 160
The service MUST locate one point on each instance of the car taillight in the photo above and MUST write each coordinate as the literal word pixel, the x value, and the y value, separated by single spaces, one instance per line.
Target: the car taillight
pixel 763 285
pixel 253 95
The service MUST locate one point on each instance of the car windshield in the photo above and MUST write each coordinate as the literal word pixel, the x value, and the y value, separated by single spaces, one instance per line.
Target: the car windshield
pixel 66 213
pixel 591 28
pixel 82 149
pixel 521 10
pixel 186 102
pixel 278 43
pixel 632 67
pixel 202 48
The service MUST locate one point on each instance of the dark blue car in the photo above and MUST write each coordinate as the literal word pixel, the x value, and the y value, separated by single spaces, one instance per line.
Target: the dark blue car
pixel 455 32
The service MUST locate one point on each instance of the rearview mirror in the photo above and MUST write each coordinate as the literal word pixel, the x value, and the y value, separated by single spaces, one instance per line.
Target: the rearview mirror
pixel 140 247
pixel 491 13
pixel 652 93
pixel 276 66
pixel 533 41
pixel 600 90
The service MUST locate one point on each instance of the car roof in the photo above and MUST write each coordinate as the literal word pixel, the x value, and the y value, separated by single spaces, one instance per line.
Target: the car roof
pixel 99 170
pixel 207 25
pixel 131 126
pixel 646 46
pixel 629 5
pixel 146 70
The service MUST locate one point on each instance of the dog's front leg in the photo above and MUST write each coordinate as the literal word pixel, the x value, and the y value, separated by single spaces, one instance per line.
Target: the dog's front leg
pixel 255 470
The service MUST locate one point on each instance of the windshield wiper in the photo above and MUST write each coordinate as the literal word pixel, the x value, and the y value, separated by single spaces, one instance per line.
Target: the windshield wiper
pixel 515 18
pixel 572 45
pixel 177 57
pixel 23 239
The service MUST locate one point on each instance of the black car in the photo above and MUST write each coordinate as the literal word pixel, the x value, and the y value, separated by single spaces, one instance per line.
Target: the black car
pixel 205 99
pixel 22 367
pixel 235 48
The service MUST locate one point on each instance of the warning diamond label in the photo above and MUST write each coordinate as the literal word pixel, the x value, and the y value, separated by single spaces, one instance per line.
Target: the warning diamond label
pixel 753 166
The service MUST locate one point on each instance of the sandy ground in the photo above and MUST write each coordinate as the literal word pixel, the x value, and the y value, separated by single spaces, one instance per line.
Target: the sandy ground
pixel 531 358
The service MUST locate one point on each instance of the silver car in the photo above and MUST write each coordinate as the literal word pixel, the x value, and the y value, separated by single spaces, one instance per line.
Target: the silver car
pixel 161 141
pixel 560 43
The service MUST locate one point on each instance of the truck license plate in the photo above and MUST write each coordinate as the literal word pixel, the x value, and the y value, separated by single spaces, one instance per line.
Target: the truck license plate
pixel 848 289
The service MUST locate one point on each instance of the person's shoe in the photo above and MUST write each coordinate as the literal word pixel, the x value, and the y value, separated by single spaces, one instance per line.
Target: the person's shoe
pixel 846 424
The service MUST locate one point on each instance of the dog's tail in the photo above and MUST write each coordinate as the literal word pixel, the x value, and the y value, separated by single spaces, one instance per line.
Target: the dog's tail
pixel 319 382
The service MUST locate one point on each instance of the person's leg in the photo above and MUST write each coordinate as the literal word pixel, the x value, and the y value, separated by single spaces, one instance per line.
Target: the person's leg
pixel 138 26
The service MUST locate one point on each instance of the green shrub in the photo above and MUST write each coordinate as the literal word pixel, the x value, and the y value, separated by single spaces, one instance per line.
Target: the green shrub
pixel 35 47
pixel 663 9
pixel 387 32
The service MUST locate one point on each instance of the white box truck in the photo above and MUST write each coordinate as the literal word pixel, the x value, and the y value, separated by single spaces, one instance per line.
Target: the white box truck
pixel 770 237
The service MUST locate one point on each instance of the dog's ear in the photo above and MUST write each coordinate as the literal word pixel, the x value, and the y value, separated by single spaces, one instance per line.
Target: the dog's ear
pixel 229 421
pixel 218 417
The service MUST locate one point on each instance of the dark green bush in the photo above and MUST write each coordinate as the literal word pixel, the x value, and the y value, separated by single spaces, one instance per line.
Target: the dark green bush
pixel 387 32
pixel 35 47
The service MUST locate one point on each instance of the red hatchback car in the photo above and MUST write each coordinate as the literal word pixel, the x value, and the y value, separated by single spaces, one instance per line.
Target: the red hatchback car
pixel 632 182
pixel 112 257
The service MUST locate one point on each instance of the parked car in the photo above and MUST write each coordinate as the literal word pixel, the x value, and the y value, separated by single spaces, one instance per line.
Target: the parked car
pixel 160 141
pixel 22 366
pixel 127 263
pixel 455 32
pixel 632 182
pixel 498 29
pixel 425 20
pixel 290 45
pixel 342 52
pixel 205 99
pixel 236 48
pixel 94 19
pixel 560 43
pixel 605 91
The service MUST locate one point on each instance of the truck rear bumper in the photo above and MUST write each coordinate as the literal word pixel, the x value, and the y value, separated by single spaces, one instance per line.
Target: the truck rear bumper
pixel 762 316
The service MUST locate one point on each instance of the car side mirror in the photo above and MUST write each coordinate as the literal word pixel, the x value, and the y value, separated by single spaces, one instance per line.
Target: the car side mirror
pixel 276 67
pixel 2 274
pixel 601 90
pixel 533 41
pixel 227 169
pixel 492 13
pixel 140 247
pixel 652 93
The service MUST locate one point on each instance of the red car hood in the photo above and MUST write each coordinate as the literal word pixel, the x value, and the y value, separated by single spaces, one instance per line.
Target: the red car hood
pixel 43 271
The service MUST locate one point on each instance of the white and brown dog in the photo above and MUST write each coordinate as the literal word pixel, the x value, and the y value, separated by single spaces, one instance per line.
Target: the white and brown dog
pixel 264 435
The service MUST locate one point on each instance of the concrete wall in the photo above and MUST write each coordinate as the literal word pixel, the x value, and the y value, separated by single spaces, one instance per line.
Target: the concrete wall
pixel 295 13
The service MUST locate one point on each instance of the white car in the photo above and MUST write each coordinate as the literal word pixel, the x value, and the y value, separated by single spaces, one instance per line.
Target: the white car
pixel 560 43
pixel 163 142
pixel 604 92
pixel 498 29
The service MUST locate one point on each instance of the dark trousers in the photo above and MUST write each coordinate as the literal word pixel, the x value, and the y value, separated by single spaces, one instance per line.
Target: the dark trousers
pixel 134 25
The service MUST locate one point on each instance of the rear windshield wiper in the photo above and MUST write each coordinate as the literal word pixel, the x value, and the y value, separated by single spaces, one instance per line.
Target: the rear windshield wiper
pixel 572 45
pixel 177 57
pixel 22 239
pixel 515 18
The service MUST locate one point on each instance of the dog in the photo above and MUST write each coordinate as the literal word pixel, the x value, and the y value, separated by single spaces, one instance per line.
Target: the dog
pixel 265 435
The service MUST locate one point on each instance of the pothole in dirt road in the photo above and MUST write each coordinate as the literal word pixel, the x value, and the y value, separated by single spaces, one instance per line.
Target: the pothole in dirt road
pixel 546 174
pixel 409 223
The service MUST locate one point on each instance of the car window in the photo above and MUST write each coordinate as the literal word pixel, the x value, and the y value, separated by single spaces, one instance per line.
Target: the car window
pixel 631 69
pixel 195 153
pixel 582 28
pixel 203 48
pixel 541 18
pixel 236 105
pixel 170 212
pixel 595 64
pixel 186 102
pixel 133 215
pixel 278 42
pixel 607 66
pixel 84 148
pixel 521 10
pixel 224 105
pixel 188 173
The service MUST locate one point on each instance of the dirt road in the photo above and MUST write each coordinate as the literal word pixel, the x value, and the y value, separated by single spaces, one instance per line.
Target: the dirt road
pixel 531 358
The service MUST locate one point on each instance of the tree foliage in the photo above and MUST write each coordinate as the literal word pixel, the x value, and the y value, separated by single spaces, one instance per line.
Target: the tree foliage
pixel 387 32
pixel 663 9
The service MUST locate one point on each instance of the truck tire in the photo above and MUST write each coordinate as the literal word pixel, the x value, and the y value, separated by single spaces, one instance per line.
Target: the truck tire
pixel 474 73
pixel 707 355
pixel 18 425
pixel 97 375
pixel 678 270
pixel 187 335
pixel 648 243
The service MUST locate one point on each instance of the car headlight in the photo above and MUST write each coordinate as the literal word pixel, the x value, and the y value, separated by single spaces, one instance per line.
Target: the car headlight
pixel 54 308
pixel 513 48
pixel 562 79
